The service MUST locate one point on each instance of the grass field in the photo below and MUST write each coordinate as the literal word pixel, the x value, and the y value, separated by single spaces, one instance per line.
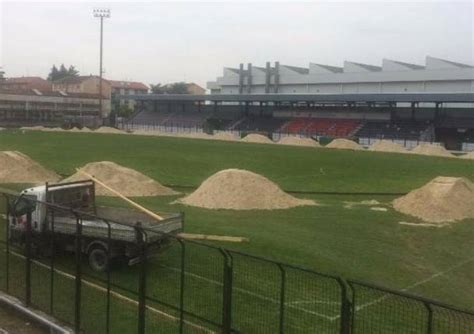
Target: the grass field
pixel 356 243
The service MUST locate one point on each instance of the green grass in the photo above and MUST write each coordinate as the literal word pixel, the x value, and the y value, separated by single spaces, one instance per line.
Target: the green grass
pixel 355 243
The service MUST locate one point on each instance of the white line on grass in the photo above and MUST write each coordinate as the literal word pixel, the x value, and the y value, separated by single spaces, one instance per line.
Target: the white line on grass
pixel 253 294
pixel 414 285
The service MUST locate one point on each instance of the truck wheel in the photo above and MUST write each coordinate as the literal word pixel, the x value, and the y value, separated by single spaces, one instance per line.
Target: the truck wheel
pixel 98 260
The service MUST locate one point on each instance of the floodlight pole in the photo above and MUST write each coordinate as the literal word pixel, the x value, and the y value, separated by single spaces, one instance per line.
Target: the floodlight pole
pixel 101 14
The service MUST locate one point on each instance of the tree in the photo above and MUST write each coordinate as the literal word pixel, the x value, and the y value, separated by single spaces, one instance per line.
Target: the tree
pixel 173 88
pixel 157 89
pixel 62 72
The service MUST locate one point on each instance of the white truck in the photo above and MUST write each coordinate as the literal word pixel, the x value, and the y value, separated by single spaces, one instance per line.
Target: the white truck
pixel 106 233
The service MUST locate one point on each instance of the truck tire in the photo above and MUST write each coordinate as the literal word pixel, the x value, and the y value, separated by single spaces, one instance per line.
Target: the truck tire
pixel 98 260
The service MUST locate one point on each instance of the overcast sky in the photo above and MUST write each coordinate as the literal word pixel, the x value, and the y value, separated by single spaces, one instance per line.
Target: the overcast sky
pixel 192 41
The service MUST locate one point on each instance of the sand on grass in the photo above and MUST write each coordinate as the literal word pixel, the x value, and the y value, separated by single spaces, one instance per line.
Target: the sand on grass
pixel 16 167
pixel 238 189
pixel 469 156
pixel 387 146
pixel 443 199
pixel 127 181
pixel 432 150
pixel 298 141
pixel 229 136
pixel 108 129
pixel 256 138
pixel 347 144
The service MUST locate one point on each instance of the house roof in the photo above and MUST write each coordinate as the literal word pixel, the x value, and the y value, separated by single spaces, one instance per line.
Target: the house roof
pixel 128 84
pixel 75 79
pixel 330 68
pixel 30 82
pixel 408 65
pixel 368 67
pixel 300 70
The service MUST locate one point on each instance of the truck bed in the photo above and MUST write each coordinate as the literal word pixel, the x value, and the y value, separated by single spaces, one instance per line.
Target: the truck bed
pixel 124 231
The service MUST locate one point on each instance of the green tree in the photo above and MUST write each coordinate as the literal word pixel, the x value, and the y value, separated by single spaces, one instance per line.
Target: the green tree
pixel 177 88
pixel 157 89
pixel 62 72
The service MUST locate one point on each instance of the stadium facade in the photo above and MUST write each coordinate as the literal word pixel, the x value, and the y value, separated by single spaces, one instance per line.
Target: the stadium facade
pixel 436 76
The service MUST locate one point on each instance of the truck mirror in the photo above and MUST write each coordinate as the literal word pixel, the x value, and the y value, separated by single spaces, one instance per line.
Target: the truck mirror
pixel 24 205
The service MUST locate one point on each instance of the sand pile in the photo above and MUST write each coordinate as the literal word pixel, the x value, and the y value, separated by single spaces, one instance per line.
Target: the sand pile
pixel 469 155
pixel 107 129
pixel 241 190
pixel 225 136
pixel 387 146
pixel 256 138
pixel 128 181
pixel 433 150
pixel 297 141
pixel 443 199
pixel 15 167
pixel 344 144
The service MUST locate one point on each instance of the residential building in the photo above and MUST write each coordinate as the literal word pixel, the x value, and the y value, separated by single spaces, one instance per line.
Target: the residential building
pixel 86 85
pixel 195 89
pixel 26 83
pixel 121 91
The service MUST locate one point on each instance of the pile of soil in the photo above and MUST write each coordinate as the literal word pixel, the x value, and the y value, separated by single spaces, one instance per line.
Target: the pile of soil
pixel 297 141
pixel 432 150
pixel 238 189
pixel 469 155
pixel 443 199
pixel 256 138
pixel 387 146
pixel 107 129
pixel 344 144
pixel 225 136
pixel 16 167
pixel 127 181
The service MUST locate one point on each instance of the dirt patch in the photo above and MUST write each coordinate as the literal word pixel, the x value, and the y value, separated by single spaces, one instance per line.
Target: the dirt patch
pixel 344 144
pixel 225 136
pixel 238 189
pixel 297 141
pixel 256 138
pixel 16 167
pixel 387 146
pixel 432 150
pixel 350 205
pixel 469 155
pixel 126 180
pixel 443 199
pixel 108 129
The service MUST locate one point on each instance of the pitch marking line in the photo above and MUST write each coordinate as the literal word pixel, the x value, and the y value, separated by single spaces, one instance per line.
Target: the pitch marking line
pixel 256 295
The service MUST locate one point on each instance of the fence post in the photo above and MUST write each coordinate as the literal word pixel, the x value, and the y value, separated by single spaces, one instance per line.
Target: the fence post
pixel 346 309
pixel 78 281
pixel 181 286
pixel 142 279
pixel 282 297
pixel 227 293
pixel 7 248
pixel 429 328
pixel 28 260
pixel 51 274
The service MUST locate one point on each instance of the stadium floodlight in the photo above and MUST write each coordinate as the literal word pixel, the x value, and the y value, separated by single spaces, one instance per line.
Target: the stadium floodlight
pixel 101 13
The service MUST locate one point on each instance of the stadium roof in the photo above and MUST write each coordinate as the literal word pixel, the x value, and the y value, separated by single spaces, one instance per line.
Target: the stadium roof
pixel 322 98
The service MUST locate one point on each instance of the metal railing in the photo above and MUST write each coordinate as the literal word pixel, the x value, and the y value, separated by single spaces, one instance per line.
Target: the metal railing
pixel 196 287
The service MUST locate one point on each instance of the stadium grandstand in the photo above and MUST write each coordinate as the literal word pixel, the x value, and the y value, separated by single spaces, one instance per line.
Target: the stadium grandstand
pixel 399 101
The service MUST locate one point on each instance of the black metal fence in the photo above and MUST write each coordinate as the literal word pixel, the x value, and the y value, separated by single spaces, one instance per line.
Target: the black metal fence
pixel 194 287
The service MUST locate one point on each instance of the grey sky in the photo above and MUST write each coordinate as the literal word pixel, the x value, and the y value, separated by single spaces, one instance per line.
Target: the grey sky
pixel 165 42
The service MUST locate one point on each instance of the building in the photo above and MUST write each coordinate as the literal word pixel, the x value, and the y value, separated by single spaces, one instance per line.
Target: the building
pixel 32 107
pixel 121 91
pixel 26 83
pixel 195 89
pixel 436 76
pixel 2 73
pixel 86 85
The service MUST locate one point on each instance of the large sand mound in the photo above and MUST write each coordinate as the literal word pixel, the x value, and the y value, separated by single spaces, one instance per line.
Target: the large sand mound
pixel 107 129
pixel 297 141
pixel 344 144
pixel 433 150
pixel 127 181
pixel 15 167
pixel 256 138
pixel 225 136
pixel 387 146
pixel 241 190
pixel 443 199
pixel 469 155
